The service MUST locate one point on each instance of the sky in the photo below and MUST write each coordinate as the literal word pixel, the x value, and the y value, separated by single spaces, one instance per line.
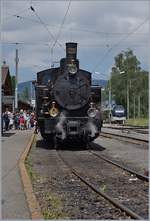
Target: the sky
pixel 102 30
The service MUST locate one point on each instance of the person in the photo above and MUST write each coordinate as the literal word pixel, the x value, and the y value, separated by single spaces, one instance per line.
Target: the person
pixel 21 122
pixel 11 121
pixel 32 120
pixel 27 121
pixel 6 119
pixel 16 120
pixel 35 127
pixel 2 124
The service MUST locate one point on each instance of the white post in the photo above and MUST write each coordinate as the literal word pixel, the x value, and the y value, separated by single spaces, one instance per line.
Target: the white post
pixel 134 107
pixel 127 100
pixel 31 92
pixel 16 88
pixel 139 106
pixel 110 100
pixel 52 63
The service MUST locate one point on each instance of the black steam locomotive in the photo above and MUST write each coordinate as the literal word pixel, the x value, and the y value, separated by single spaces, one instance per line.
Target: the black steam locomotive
pixel 67 106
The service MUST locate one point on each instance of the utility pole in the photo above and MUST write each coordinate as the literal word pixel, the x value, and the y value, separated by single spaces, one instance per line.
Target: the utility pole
pixel 134 107
pixel 110 100
pixel 139 106
pixel 16 88
pixel 31 93
pixel 127 97
pixel 52 64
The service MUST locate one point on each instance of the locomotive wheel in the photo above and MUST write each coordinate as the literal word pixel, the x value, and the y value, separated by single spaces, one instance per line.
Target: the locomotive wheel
pixel 59 144
pixel 78 144
pixel 49 138
pixel 83 144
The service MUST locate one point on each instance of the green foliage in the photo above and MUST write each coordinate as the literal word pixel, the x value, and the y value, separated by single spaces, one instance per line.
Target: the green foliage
pixel 29 166
pixel 138 122
pixel 13 83
pixel 127 71
pixel 55 208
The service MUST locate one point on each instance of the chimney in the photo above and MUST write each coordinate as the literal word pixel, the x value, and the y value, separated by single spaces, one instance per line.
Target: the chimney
pixel 71 52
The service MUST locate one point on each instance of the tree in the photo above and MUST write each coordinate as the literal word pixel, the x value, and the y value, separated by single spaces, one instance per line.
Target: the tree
pixel 133 79
pixel 13 83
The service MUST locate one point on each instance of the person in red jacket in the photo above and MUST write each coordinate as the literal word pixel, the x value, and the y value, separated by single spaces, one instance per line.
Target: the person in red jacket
pixel 22 122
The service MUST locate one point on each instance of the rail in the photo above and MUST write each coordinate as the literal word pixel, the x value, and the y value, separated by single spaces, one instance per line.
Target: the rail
pixel 101 193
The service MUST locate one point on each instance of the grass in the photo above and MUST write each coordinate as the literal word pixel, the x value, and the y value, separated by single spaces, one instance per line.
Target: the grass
pixel 137 122
pixel 29 167
pixel 55 210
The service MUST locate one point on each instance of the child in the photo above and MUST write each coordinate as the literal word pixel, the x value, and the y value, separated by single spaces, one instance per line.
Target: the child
pixel 21 122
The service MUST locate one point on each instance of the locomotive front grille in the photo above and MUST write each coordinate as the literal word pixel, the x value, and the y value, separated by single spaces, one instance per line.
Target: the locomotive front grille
pixel 73 127
pixel 49 125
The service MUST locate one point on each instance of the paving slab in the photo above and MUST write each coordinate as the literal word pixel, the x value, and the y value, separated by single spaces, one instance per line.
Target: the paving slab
pixel 14 205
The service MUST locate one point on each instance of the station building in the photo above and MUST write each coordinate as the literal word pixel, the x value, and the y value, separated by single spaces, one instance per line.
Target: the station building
pixel 7 93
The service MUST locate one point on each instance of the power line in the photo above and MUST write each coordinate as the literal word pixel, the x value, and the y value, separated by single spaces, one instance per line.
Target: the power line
pixel 44 25
pixel 81 30
pixel 118 43
pixel 20 12
pixel 81 45
pixel 63 21
pixel 26 43
pixel 28 19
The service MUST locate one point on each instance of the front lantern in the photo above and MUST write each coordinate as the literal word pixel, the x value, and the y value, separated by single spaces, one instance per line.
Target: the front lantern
pixel 92 111
pixel 53 111
pixel 72 69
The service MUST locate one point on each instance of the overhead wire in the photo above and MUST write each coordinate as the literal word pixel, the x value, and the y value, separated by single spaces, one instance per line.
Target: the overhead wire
pixel 26 43
pixel 44 25
pixel 118 43
pixel 20 12
pixel 24 18
pixel 60 29
pixel 81 30
pixel 81 45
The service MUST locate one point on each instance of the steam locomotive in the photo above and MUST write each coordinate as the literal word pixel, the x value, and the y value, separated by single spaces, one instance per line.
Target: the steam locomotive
pixel 68 107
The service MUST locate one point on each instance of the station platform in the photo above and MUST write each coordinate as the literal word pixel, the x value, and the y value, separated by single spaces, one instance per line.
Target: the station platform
pixel 14 205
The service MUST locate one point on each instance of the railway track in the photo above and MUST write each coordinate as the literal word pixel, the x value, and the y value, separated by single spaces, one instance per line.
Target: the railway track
pixel 112 200
pixel 141 130
pixel 124 138
pixel 140 176
pixel 64 171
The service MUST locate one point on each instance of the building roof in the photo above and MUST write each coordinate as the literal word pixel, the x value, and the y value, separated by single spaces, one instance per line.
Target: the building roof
pixel 6 79
pixel 5 73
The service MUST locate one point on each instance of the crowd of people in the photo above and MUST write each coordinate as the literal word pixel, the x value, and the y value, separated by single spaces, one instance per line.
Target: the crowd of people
pixel 19 120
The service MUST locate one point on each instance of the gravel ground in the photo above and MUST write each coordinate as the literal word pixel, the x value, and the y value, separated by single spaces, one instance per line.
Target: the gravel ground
pixel 114 181
pixel 131 155
pixel 62 195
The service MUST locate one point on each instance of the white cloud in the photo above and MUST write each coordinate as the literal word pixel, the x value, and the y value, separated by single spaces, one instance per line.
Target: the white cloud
pixel 85 24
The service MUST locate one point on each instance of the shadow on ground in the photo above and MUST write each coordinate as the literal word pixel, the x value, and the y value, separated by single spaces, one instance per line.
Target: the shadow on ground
pixel 5 134
pixel 43 144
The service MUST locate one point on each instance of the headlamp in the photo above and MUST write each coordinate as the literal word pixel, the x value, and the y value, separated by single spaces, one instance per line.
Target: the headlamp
pixel 72 69
pixel 92 111
pixel 53 110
